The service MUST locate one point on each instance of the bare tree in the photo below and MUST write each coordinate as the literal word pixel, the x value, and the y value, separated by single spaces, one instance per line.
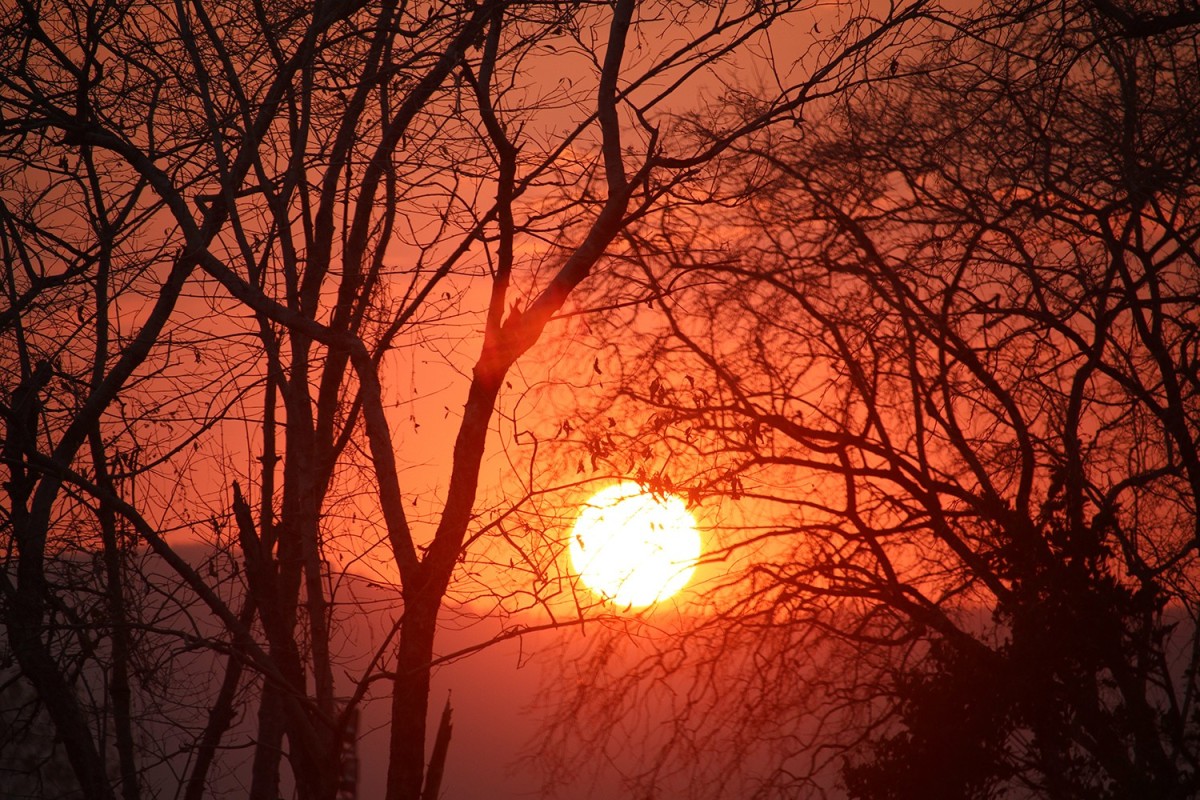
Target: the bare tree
pixel 945 353
pixel 231 232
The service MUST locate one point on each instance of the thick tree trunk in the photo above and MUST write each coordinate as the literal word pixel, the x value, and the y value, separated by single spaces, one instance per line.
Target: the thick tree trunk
pixel 410 700
pixel 268 747
pixel 26 600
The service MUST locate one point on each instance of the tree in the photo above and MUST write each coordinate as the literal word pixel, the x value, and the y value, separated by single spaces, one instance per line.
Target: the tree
pixel 230 233
pixel 946 354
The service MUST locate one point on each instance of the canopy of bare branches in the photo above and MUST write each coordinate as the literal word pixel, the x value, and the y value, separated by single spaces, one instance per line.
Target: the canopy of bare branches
pixel 276 281
pixel 945 351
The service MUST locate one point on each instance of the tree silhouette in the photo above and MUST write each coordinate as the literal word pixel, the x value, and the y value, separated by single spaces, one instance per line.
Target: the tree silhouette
pixel 231 234
pixel 944 351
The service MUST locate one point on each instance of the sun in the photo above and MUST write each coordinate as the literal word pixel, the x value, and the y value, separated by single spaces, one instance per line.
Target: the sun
pixel 634 548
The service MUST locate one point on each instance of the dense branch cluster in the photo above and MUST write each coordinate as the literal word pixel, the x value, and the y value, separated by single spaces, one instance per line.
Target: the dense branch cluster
pixel 945 353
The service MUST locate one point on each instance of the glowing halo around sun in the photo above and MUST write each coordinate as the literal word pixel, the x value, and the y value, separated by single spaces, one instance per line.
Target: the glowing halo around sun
pixel 632 548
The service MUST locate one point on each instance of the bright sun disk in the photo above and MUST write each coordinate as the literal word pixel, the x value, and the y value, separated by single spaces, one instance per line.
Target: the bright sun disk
pixel 634 548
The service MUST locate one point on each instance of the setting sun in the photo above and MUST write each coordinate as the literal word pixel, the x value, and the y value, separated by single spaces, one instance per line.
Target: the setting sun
pixel 633 548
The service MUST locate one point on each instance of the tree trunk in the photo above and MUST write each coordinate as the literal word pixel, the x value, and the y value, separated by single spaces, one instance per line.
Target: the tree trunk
pixel 410 699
